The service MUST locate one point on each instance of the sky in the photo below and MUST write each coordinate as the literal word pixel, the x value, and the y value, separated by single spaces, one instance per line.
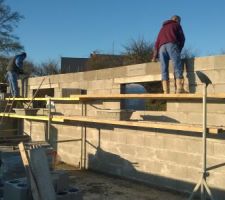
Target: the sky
pixel 52 29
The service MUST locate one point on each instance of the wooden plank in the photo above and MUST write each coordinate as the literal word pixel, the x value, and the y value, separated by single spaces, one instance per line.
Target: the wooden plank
pixel 45 99
pixel 30 177
pixel 157 125
pixel 40 169
pixel 150 96
pixel 126 96
pixel 41 118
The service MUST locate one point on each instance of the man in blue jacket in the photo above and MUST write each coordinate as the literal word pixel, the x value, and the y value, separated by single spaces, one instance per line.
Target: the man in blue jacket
pixel 168 46
pixel 14 68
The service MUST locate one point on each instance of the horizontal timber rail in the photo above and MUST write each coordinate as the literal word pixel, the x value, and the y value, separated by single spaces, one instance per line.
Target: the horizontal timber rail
pixel 36 117
pixel 123 96
pixel 141 124
pixel 144 124
pixel 45 99
pixel 149 96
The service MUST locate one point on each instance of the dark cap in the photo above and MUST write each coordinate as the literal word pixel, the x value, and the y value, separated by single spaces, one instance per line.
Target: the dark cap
pixel 176 18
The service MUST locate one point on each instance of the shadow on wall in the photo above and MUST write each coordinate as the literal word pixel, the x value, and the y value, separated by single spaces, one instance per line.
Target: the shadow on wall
pixel 113 164
pixel 160 118
pixel 108 163
pixel 188 65
pixel 53 137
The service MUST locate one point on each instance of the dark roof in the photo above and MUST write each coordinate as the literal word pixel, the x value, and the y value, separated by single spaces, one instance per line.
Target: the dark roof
pixel 69 65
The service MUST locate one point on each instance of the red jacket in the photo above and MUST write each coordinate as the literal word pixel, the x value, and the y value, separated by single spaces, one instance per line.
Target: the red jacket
pixel 171 31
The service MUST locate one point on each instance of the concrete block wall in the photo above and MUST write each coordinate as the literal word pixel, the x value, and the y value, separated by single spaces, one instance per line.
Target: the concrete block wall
pixel 170 159
pixel 167 158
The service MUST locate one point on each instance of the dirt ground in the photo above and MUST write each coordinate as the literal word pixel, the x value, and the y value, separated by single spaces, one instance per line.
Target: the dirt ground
pixel 96 186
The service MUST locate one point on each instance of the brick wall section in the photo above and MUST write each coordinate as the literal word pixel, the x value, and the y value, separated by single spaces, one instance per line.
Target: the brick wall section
pixel 167 158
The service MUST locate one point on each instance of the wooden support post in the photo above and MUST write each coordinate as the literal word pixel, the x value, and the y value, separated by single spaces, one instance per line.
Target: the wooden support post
pixel 49 120
pixel 29 173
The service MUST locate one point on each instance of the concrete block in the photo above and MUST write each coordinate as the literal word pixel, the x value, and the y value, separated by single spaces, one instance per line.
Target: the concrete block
pixel 104 73
pixel 219 88
pixel 136 79
pixel 63 78
pixel 70 194
pixel 154 141
pixel 118 138
pixel 118 72
pixel 204 63
pixel 90 75
pixel 108 84
pixel 135 139
pixel 126 149
pixel 115 91
pixel 111 105
pixel 135 70
pixel 17 189
pixel 152 68
pixel 219 149
pixel 115 114
pixel 219 62
pixel 60 180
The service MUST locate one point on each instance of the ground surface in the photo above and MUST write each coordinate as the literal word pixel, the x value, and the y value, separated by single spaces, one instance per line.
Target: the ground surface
pixel 95 186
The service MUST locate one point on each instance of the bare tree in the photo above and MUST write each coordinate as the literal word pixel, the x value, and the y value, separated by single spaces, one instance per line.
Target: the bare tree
pixel 46 68
pixel 188 52
pixel 138 51
pixel 8 21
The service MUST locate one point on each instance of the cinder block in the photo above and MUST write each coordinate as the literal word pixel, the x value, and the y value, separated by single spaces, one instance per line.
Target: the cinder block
pixel 135 70
pixel 115 114
pixel 70 194
pixel 17 189
pixel 60 180
pixel 104 73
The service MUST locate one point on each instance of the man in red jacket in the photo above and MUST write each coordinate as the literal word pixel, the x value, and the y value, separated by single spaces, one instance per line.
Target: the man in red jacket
pixel 168 45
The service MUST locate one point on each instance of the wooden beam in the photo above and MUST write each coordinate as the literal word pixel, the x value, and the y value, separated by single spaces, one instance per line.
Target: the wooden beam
pixel 45 99
pixel 144 124
pixel 29 173
pixel 149 96
pixel 41 118
pixel 40 168
pixel 125 96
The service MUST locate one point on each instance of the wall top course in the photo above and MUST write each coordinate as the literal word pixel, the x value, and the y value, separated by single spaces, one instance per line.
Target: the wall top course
pixel 145 69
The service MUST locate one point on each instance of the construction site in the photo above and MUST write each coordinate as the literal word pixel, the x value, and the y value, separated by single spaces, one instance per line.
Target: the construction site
pixel 72 136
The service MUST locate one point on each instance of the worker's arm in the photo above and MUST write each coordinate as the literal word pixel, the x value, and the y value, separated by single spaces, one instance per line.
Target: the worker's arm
pixel 154 57
pixel 19 64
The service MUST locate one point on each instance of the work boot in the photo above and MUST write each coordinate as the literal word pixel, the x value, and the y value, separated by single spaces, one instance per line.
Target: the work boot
pixel 180 86
pixel 166 86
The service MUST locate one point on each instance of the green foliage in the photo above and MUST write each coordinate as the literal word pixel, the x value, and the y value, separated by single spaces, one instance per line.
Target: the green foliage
pixel 8 21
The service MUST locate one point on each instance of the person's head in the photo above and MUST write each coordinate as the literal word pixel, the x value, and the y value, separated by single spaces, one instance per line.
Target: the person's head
pixel 23 54
pixel 176 18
